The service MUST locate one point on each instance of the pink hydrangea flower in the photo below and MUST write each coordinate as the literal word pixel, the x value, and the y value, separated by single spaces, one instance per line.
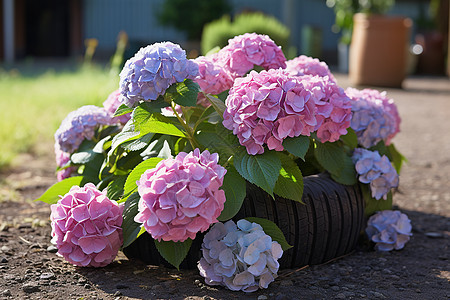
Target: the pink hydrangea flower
pixel 375 117
pixel 214 77
pixel 62 158
pixel 245 51
pixel 389 229
pixel 86 226
pixel 305 65
pixel 181 196
pixel 267 107
pixel 333 107
pixel 111 104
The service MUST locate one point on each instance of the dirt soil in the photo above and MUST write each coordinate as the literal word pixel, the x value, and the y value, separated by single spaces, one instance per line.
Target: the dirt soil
pixel 30 269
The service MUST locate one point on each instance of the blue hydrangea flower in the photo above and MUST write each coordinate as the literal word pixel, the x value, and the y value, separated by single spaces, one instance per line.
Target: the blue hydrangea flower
pixel 372 120
pixel 376 170
pixel 152 70
pixel 79 125
pixel 240 257
pixel 389 230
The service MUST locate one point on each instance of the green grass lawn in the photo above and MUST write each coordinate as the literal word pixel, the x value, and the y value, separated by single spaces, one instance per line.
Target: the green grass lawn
pixel 33 106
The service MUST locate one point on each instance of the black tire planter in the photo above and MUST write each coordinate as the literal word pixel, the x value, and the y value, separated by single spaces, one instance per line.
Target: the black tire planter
pixel 325 227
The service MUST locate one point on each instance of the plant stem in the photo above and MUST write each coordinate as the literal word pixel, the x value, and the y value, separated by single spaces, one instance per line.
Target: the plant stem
pixel 189 131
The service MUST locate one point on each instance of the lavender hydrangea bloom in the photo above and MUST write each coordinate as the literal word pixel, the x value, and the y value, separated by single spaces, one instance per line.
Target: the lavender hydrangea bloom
pixel 375 117
pixel 305 65
pixel 389 230
pixel 152 70
pixel 239 257
pixel 79 125
pixel 111 104
pixel 376 170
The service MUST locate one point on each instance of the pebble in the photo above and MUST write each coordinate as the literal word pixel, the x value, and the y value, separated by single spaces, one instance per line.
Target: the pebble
pixel 5 249
pixel 434 235
pixel 117 293
pixel 6 293
pixel 377 294
pixel 30 287
pixel 52 249
pixel 3 260
pixel 47 276
pixel 341 296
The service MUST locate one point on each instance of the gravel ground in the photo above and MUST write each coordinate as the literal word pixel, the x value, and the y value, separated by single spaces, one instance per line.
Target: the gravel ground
pixel 29 269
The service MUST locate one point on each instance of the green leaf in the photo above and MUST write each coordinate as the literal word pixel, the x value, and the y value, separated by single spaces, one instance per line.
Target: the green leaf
pixel 261 170
pixel 130 228
pixel 271 229
pixel 128 133
pixel 135 175
pixel 350 139
pixel 373 205
pixel 115 188
pixel 334 159
pixel 218 104
pixel 51 195
pixel 122 110
pixel 184 93
pixel 146 122
pixel 396 158
pixel 290 181
pixel 297 146
pixel 235 191
pixel 174 252
pixel 84 153
pixel 139 143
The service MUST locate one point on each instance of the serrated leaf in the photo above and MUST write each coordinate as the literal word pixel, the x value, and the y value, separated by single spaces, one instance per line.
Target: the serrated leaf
pixel 130 184
pixel 146 122
pixel 128 133
pixel 51 195
pixel 297 146
pixel 139 143
pixel 184 93
pixel 348 174
pixel 350 139
pixel 218 104
pixel 290 181
pixel 122 110
pixel 235 192
pixel 271 229
pixel 174 252
pixel 261 170
pixel 130 228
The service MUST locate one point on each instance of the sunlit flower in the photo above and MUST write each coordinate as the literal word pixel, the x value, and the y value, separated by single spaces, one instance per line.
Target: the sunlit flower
pixel 86 227
pixel 79 125
pixel 305 65
pixel 111 104
pixel 389 230
pixel 239 257
pixel 62 158
pixel 152 70
pixel 181 196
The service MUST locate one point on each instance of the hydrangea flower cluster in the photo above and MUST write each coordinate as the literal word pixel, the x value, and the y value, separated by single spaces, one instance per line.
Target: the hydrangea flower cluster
pixel 376 170
pixel 218 71
pixel 79 125
pixel 86 226
pixel 389 230
pixel 111 104
pixel 62 158
pixel 152 70
pixel 239 257
pixel 267 107
pixel 333 107
pixel 181 196
pixel 245 51
pixel 305 65
pixel 375 117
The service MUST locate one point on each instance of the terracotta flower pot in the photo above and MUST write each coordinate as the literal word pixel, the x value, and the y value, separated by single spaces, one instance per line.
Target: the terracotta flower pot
pixel 326 226
pixel 379 50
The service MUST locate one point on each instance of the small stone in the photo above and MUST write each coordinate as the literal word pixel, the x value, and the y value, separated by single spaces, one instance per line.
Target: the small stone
pixel 341 296
pixel 82 280
pixel 6 293
pixel 52 249
pixel 418 291
pixel 117 293
pixel 3 260
pixel 30 287
pixel 47 276
pixel 262 297
pixel 5 249
pixel 434 235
